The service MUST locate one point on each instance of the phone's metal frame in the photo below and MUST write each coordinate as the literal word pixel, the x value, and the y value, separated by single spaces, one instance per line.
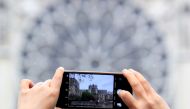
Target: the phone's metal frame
pixel 98 73
pixel 92 72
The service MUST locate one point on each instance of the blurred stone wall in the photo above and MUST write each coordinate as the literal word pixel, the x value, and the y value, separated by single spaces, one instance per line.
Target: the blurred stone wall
pixel 171 17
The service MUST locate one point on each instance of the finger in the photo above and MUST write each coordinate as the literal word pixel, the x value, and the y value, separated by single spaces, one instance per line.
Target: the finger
pixel 127 98
pixel 135 84
pixel 57 78
pixel 146 85
pixel 39 84
pixel 26 84
pixel 57 108
pixel 47 82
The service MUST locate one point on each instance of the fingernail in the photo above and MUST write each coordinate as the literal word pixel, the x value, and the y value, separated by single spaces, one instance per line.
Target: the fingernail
pixel 118 91
pixel 133 71
pixel 61 68
pixel 124 70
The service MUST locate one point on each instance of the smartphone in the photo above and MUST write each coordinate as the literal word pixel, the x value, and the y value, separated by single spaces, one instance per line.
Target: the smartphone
pixel 92 90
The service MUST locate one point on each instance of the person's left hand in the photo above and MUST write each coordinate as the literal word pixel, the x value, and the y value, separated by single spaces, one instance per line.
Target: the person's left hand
pixel 145 96
pixel 43 95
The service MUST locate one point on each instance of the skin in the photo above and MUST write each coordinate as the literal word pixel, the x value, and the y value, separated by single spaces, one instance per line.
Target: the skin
pixel 44 95
pixel 145 96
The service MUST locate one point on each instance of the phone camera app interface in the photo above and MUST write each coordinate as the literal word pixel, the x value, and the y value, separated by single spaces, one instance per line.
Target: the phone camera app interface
pixel 90 90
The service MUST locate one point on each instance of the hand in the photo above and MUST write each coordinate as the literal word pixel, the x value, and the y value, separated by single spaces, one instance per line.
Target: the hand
pixel 43 95
pixel 145 96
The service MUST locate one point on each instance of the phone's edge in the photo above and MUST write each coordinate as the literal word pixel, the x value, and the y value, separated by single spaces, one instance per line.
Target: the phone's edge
pixel 93 72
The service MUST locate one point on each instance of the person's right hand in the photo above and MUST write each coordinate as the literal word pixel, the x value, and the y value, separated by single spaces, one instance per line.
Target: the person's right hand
pixel 145 96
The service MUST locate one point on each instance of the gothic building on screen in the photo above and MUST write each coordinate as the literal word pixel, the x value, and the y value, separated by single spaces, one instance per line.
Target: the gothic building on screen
pixel 98 94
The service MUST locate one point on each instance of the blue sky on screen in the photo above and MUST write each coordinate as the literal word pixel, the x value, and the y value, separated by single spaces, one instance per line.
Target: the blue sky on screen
pixel 104 82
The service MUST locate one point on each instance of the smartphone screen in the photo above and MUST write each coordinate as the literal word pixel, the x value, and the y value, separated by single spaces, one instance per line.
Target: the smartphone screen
pixel 92 90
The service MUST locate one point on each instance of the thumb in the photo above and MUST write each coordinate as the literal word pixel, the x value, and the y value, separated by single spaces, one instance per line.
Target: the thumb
pixel 127 98
pixel 57 78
